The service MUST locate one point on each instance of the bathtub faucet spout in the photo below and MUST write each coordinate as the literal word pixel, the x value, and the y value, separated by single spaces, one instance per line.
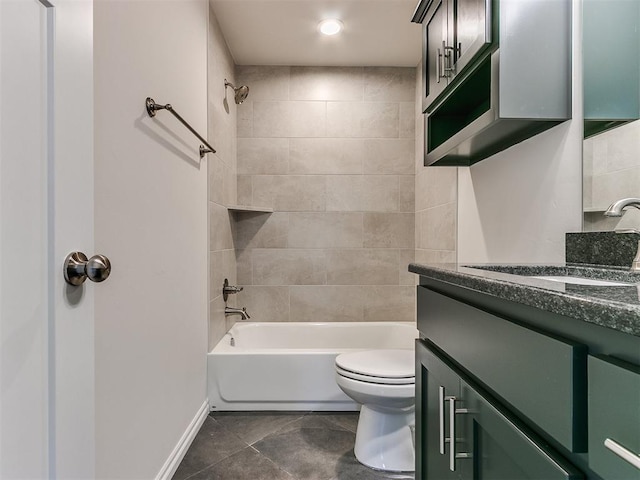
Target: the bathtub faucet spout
pixel 237 311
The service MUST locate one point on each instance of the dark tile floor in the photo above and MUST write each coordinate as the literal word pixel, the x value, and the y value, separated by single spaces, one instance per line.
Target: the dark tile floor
pixel 277 446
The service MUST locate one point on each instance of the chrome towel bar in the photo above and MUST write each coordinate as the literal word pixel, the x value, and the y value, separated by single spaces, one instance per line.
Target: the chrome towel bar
pixel 153 107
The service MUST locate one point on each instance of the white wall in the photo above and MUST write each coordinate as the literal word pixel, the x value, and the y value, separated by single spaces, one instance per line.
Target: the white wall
pixel 517 205
pixel 151 220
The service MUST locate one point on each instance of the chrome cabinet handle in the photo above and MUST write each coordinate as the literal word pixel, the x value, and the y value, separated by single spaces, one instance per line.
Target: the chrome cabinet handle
pixel 453 455
pixel 622 452
pixel 448 67
pixel 452 433
pixel 438 68
pixel 441 417
pixel 77 268
pixel 451 439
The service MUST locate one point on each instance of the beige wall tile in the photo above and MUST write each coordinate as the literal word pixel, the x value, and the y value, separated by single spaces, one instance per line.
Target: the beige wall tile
pixel 271 119
pixel 261 230
pixel 351 150
pixel 389 84
pixel 289 119
pixel 357 119
pixel 220 237
pixel 362 267
pixel 308 119
pixel 406 277
pixel 267 156
pixel 437 227
pixel 435 256
pixel 265 304
pixel 407 193
pixel 362 193
pixel 245 190
pixel 436 186
pixel 230 186
pixel 326 304
pixel 389 230
pixel 389 156
pixel 245 119
pixel 288 267
pixel 292 193
pixel 407 120
pixel 325 230
pixel 327 83
pixel 244 267
pixel 326 155
pixel 216 170
pixel 264 82
pixel 389 303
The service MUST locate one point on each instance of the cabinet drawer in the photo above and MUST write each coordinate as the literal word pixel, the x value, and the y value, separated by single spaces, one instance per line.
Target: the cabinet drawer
pixel 541 377
pixel 614 413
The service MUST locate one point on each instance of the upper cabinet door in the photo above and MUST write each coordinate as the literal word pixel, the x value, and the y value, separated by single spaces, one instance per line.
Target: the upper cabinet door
pixel 455 32
pixel 472 19
pixel 435 64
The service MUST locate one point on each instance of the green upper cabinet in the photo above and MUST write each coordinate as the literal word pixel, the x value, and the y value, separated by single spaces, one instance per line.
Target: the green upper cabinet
pixel 611 56
pixel 494 74
pixel 454 33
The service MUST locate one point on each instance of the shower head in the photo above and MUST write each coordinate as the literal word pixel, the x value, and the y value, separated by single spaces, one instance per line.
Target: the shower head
pixel 240 93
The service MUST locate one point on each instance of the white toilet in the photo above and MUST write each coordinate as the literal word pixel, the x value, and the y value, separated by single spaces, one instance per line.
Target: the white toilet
pixel 383 381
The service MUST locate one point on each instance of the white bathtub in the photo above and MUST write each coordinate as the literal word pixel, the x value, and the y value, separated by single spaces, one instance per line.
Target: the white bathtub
pixel 290 365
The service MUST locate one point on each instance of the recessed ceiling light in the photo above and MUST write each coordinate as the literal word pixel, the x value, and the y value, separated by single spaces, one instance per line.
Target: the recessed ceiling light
pixel 330 26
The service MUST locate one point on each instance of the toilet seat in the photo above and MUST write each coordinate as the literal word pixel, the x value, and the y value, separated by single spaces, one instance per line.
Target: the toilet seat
pixel 379 380
pixel 378 366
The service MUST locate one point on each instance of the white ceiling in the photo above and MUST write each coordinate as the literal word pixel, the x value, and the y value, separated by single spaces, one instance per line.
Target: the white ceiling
pixel 284 32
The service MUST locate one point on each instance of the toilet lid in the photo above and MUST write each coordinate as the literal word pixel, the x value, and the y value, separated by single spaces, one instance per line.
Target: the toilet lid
pixel 379 363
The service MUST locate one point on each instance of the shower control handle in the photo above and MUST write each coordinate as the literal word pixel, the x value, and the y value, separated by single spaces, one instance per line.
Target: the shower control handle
pixel 229 289
pixel 77 268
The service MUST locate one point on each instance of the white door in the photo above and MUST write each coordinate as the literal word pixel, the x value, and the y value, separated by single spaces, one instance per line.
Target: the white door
pixel 46 208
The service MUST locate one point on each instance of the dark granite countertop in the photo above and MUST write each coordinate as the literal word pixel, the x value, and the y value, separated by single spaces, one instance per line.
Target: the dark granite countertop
pixel 616 307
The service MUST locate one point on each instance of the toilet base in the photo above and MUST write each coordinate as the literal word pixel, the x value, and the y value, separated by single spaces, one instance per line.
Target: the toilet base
pixel 384 439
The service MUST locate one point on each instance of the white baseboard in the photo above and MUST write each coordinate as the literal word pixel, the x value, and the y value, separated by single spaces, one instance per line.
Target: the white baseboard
pixel 171 465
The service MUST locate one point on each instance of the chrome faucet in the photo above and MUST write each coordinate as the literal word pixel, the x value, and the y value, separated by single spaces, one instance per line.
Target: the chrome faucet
pixel 237 311
pixel 616 209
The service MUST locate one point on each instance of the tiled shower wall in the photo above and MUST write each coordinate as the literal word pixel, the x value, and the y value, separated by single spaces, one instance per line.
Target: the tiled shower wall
pixel 222 176
pixel 436 200
pixel 332 151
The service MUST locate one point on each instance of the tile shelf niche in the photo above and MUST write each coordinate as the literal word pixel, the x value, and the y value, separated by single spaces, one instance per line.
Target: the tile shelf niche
pixel 249 208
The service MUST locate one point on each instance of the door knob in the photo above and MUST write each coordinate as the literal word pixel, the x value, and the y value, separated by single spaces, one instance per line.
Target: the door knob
pixel 77 268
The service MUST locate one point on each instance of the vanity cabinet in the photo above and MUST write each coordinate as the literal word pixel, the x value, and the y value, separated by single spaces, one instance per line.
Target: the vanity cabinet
pixel 525 394
pixel 494 74
pixel 489 442
pixel 454 33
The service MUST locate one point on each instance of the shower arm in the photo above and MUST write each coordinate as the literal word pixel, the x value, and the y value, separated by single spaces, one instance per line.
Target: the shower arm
pixel 153 107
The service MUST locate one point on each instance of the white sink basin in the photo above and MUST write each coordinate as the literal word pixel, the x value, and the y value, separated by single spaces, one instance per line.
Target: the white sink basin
pixel 583 281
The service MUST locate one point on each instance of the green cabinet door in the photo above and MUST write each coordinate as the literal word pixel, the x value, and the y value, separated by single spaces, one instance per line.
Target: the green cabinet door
pixel 503 448
pixel 435 384
pixel 614 418
pixel 490 442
